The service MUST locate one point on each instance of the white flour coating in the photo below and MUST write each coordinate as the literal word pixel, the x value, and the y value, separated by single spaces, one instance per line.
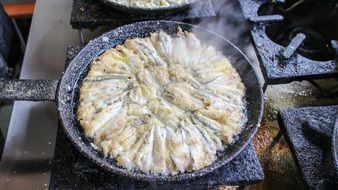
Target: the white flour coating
pixel 151 3
pixel 162 104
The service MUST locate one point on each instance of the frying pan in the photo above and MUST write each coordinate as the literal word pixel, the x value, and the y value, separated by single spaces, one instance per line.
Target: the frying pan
pixel 146 11
pixel 64 93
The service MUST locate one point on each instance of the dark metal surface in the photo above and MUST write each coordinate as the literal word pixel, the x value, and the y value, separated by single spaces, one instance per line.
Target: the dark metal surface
pixel 31 90
pixel 311 152
pixel 71 170
pixel 91 14
pixel 276 69
pixel 147 11
pixel 71 80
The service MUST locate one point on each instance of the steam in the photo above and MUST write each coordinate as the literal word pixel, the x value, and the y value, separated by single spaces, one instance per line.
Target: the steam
pixel 231 24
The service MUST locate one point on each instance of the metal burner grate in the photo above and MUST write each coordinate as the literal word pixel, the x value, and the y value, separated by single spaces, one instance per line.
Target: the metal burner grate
pixel 309 150
pixel 92 14
pixel 283 64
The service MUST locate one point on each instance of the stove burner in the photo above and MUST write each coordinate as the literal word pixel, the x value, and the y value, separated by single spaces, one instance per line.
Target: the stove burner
pixel 294 44
pixel 316 19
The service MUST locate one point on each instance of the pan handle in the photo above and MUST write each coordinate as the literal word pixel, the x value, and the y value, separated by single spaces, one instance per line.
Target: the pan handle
pixel 28 90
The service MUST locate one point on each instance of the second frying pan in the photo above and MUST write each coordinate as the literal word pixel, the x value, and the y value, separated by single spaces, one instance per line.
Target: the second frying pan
pixel 147 11
pixel 64 94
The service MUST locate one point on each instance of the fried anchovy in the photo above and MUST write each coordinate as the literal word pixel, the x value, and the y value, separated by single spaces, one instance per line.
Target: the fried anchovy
pixel 151 52
pixel 196 119
pixel 206 138
pixel 105 78
pixel 167 43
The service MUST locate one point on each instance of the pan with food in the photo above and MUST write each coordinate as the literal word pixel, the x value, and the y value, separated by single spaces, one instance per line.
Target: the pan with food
pixel 150 6
pixel 154 100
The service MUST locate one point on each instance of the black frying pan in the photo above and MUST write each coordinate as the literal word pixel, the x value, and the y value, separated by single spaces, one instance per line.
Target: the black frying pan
pixel 65 92
pixel 146 11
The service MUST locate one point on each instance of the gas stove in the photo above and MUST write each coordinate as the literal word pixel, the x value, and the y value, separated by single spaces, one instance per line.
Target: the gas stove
pixel 287 53
pixel 295 40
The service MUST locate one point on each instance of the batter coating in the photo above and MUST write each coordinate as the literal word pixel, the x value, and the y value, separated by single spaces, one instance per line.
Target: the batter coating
pixel 151 3
pixel 163 104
